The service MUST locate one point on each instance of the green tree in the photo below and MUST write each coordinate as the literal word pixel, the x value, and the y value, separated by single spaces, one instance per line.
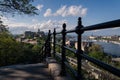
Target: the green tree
pixel 17 6
pixel 12 52
pixel 96 51
pixel 2 27
pixel 9 49
pixel 36 48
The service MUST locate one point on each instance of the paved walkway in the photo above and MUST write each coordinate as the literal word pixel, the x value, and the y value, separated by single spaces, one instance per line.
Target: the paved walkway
pixel 25 72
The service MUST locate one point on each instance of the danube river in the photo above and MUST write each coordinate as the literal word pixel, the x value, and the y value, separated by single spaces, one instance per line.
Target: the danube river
pixel 110 48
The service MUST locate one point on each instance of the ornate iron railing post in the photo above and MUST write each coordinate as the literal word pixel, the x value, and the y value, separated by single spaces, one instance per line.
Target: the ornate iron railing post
pixel 63 72
pixel 54 39
pixel 79 50
pixel 45 52
pixel 41 58
pixel 49 44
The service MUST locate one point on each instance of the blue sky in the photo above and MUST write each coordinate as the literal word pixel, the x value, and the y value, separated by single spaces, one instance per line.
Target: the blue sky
pixel 53 13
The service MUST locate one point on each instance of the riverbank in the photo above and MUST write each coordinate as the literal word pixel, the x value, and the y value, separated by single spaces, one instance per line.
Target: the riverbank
pixel 109 48
pixel 107 41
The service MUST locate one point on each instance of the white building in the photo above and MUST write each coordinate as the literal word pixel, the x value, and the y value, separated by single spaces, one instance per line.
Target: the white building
pixel 84 45
pixel 92 37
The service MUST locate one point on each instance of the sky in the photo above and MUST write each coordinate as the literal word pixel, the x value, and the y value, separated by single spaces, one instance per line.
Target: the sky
pixel 53 13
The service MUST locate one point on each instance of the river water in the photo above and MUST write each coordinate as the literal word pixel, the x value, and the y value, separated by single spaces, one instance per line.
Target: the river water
pixel 110 48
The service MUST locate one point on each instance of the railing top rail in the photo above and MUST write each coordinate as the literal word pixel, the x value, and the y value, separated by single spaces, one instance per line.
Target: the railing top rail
pixel 58 32
pixel 71 49
pixel 70 31
pixel 109 24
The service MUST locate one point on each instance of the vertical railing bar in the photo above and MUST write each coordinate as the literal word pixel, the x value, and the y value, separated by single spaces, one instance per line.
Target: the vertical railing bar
pixel 63 72
pixel 54 43
pixel 79 50
pixel 45 49
pixel 42 54
pixel 49 46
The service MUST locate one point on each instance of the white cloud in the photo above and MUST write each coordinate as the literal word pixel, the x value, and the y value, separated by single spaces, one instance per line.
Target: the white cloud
pixel 21 27
pixel 75 10
pixel 19 30
pixel 34 20
pixel 39 7
pixel 67 11
pixel 18 24
pixel 48 13
pixel 4 19
pixel 62 11
pixel 50 25
pixel 84 11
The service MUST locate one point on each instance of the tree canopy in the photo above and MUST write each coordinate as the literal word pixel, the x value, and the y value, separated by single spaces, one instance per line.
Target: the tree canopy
pixel 2 27
pixel 17 6
pixel 96 51
pixel 11 51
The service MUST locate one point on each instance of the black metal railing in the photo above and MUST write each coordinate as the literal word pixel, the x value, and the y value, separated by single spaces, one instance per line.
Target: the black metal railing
pixel 79 30
pixel 45 51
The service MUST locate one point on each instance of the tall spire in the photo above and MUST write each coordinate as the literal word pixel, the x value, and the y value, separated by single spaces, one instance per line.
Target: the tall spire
pixel 38 30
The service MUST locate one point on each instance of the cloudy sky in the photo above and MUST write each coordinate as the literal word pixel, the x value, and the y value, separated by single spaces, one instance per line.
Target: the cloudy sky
pixel 53 13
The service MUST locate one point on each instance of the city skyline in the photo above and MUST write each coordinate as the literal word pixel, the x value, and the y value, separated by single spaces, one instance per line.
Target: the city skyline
pixel 52 14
